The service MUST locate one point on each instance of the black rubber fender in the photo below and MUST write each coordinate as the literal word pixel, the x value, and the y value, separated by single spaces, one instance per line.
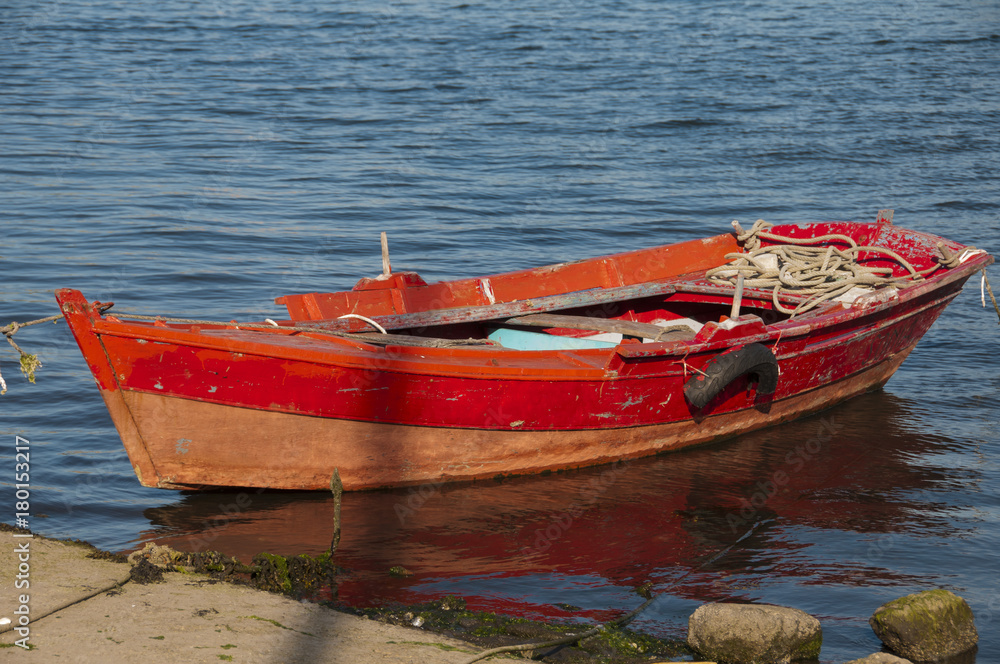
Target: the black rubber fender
pixel 723 369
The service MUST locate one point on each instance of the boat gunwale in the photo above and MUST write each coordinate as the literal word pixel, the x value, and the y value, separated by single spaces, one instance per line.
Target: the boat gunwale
pixel 578 364
pixel 677 370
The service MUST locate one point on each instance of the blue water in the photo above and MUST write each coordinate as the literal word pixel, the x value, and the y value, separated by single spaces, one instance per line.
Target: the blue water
pixel 202 158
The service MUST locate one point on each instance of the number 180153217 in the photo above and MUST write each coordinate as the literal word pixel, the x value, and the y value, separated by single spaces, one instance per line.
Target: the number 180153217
pixel 22 479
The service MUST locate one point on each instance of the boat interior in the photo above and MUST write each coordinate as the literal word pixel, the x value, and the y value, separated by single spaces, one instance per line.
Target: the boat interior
pixel 659 295
pixel 680 313
pixel 654 295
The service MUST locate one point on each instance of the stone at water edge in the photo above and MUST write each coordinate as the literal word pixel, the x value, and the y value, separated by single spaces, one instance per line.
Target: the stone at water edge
pixel 753 633
pixel 927 625
pixel 880 658
pixel 161 556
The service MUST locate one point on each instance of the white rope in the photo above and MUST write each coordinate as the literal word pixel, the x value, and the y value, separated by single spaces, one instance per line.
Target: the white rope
pixel 822 272
pixel 365 319
pixel 969 253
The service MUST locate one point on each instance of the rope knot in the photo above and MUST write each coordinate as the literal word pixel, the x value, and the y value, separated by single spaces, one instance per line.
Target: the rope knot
pixel 952 260
pixel 750 239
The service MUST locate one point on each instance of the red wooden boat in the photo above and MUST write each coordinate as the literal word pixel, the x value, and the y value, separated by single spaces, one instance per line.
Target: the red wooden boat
pixel 555 367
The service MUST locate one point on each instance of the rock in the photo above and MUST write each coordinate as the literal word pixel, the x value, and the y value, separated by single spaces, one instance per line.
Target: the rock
pixel 753 633
pixel 924 626
pixel 880 658
pixel 161 556
pixel 144 572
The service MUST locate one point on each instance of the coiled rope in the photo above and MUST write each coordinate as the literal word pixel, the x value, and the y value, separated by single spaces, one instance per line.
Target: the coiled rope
pixel 793 267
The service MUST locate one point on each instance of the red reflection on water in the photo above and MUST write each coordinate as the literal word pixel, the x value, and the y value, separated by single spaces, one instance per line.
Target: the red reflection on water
pixel 664 519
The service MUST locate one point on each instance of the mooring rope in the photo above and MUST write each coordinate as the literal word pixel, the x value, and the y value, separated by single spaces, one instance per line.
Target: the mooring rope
pixel 984 287
pixel 825 272
pixel 115 585
pixel 29 363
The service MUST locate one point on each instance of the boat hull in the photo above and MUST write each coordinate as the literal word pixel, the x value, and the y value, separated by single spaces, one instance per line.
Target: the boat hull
pixel 202 405
pixel 197 444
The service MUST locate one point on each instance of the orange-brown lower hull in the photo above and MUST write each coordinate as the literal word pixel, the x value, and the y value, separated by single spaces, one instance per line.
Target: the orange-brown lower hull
pixel 178 443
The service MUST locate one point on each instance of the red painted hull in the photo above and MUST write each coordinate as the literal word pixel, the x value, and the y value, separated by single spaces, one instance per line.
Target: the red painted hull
pixel 211 405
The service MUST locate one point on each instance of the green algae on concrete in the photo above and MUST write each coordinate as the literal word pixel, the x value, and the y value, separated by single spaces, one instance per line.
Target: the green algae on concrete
pixel 190 613
pixel 273 622
pixel 925 626
pixel 449 617
pixel 304 576
pixel 299 576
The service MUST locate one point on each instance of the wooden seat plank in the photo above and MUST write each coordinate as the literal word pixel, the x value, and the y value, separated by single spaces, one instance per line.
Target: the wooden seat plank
pixel 499 311
pixel 627 328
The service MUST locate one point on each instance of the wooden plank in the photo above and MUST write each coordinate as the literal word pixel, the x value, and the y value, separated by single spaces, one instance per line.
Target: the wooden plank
pixel 499 311
pixel 407 340
pixel 627 328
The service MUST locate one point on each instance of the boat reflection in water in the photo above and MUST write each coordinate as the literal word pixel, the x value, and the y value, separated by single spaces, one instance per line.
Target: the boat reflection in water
pixel 829 494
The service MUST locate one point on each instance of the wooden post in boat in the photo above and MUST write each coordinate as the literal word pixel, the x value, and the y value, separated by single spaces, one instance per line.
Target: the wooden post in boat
pixel 337 487
pixel 884 217
pixel 386 268
pixel 737 298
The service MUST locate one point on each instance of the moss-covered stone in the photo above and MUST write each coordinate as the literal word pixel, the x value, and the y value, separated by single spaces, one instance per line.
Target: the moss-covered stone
pixel 925 626
pixel 615 642
pixel 271 573
pixel 811 648
pixel 297 576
